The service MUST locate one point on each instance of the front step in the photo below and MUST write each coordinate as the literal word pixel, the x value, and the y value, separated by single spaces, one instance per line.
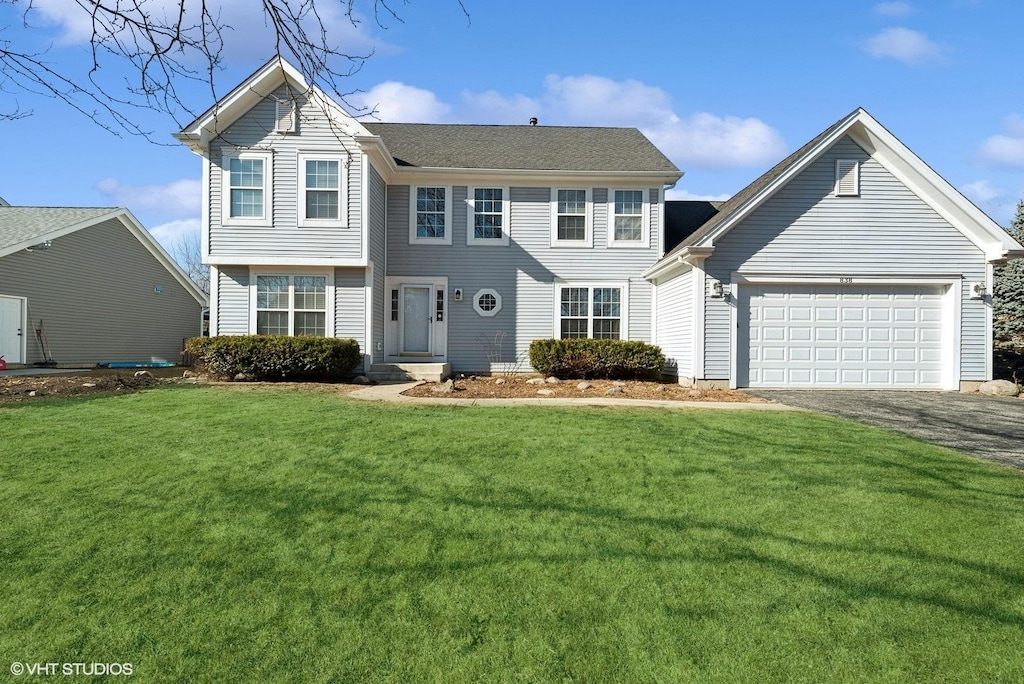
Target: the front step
pixel 407 372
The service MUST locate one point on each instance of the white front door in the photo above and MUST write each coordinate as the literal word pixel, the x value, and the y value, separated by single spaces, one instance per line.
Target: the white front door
pixel 12 329
pixel 417 319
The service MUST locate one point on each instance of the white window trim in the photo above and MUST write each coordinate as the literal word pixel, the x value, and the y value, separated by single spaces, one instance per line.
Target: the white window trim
pixel 506 213
pixel 329 328
pixel 342 219
pixel 487 291
pixel 645 218
pixel 839 191
pixel 621 285
pixel 268 196
pixel 413 238
pixel 588 214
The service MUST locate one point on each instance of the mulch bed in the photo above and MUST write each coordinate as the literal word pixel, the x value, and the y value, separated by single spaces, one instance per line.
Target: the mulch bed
pixel 482 387
pixel 19 388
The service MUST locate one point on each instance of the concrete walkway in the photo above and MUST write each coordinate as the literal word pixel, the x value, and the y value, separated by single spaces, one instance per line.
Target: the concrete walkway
pixel 393 392
pixel 991 428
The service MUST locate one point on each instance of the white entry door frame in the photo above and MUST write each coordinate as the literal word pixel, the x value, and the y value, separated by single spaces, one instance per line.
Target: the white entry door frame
pixel 416 318
pixel 13 326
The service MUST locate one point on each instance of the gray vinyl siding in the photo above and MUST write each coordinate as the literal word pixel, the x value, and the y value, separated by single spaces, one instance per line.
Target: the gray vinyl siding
pixel 524 273
pixel 95 291
pixel 350 304
pixel 376 246
pixel 285 239
pixel 887 231
pixel 675 323
pixel 233 300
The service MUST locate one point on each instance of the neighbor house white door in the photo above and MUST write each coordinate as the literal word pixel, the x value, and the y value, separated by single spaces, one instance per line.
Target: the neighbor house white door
pixel 12 329
pixel 417 319
pixel 841 336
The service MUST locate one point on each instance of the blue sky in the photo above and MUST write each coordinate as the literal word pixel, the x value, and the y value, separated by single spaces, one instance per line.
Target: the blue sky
pixel 725 89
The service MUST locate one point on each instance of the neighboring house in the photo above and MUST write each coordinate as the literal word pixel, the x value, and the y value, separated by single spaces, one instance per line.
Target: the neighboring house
pixel 96 286
pixel 453 246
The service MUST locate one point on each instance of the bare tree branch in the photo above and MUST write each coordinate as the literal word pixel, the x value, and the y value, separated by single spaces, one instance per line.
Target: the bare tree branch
pixel 169 47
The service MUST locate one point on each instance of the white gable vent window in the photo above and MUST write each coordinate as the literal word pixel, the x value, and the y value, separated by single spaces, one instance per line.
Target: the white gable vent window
pixel 487 302
pixel 286 117
pixel 847 178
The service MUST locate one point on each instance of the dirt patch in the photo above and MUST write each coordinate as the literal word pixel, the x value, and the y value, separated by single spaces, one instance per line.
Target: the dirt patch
pixel 20 388
pixel 518 388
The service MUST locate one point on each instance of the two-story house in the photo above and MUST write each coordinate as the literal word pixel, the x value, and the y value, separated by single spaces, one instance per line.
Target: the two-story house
pixel 444 247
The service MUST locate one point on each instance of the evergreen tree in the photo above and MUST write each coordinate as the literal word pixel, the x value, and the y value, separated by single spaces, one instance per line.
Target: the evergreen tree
pixel 1008 291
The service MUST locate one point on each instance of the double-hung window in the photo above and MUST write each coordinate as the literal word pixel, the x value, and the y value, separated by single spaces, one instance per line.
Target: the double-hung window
pixel 321 182
pixel 570 211
pixel 291 305
pixel 488 216
pixel 628 223
pixel 594 311
pixel 246 188
pixel 430 215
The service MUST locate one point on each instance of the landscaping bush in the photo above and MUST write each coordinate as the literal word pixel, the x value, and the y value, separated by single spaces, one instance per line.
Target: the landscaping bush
pixel 590 359
pixel 276 358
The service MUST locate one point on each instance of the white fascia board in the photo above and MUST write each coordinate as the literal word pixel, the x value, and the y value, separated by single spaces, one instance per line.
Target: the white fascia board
pixel 934 190
pixel 373 148
pixel 278 261
pixel 454 176
pixel 681 261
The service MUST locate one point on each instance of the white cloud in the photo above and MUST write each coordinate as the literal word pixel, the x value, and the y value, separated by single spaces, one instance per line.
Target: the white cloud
pixel 1005 149
pixel 697 140
pixel 983 191
pixel 180 198
pixel 170 234
pixel 397 102
pixel 679 194
pixel 913 48
pixel 893 9
pixel 247 33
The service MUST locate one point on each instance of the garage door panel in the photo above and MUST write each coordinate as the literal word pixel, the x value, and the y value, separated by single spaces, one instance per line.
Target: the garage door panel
pixel 827 335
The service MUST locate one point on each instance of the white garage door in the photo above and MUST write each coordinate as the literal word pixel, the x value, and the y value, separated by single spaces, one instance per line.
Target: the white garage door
pixel 840 336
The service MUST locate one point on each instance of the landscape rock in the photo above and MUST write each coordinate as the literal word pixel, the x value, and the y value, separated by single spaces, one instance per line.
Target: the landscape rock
pixel 88 384
pixel 33 393
pixel 584 386
pixel 241 377
pixel 360 380
pixel 999 388
pixel 613 391
pixel 189 374
pixel 535 381
pixel 693 393
pixel 143 374
pixel 545 392
pixel 447 387
pixel 552 380
pixel 662 388
pixel 500 381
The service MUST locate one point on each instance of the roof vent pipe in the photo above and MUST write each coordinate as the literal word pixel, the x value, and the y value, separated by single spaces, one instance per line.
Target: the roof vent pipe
pixel 533 121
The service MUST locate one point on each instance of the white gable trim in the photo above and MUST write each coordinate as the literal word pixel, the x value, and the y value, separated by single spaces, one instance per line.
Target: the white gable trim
pixel 271 76
pixel 899 160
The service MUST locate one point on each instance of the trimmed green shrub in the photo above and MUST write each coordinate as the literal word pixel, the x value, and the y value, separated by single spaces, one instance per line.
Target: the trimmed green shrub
pixel 276 358
pixel 590 359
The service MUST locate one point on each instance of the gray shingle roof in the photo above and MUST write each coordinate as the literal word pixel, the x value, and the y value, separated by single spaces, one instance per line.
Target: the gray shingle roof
pixel 734 203
pixel 522 148
pixel 20 224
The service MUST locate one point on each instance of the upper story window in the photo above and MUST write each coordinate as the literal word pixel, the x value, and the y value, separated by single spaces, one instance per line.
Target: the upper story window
pixel 570 211
pixel 628 224
pixel 431 215
pixel 246 188
pixel 322 183
pixel 488 216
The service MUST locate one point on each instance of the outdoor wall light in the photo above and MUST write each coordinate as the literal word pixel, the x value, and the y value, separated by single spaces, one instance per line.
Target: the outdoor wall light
pixel 717 290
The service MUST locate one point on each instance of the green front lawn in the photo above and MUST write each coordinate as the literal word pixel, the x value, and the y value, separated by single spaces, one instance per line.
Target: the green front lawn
pixel 239 534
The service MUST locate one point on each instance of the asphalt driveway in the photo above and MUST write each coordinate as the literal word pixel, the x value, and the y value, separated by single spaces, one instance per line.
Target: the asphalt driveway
pixel 988 427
